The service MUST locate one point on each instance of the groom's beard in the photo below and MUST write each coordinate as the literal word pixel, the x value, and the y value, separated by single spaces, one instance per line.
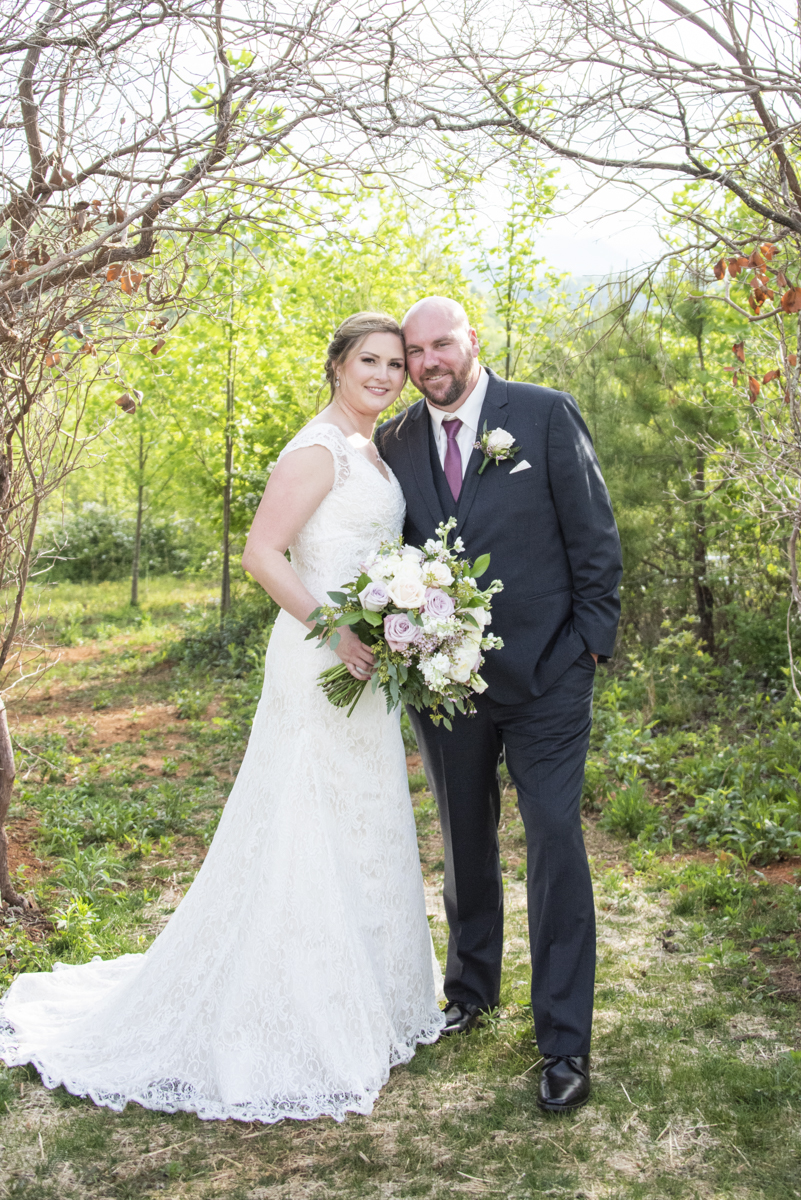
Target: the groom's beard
pixel 457 385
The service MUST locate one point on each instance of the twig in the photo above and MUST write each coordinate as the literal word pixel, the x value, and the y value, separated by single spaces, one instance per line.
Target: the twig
pixel 742 1156
pixel 531 1068
pixel 173 1146
pixel 628 1097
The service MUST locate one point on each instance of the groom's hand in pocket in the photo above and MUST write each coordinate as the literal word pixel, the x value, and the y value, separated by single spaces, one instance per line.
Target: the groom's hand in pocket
pixel 358 658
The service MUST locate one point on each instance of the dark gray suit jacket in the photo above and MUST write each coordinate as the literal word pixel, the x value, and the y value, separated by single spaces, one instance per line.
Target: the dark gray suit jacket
pixel 549 529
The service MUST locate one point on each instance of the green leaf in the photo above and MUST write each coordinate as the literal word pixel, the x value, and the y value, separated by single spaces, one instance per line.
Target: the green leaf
pixel 352 618
pixel 480 566
pixel 334 640
pixel 465 616
pixel 362 582
pixel 372 618
pixel 338 597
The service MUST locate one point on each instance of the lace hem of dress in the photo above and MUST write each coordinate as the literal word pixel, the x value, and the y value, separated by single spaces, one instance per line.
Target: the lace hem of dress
pixel 173 1095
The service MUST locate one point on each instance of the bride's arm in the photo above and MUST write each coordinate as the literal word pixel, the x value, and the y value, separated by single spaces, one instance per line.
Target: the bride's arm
pixel 296 488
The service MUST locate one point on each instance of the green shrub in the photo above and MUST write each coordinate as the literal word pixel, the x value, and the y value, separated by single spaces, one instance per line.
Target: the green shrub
pixel 98 545
pixel 235 645
pixel 629 811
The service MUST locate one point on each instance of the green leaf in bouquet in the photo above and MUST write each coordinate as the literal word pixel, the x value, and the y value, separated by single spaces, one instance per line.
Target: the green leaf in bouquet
pixel 351 618
pixel 465 616
pixel 338 597
pixel 403 672
pixel 313 633
pixel 414 618
pixel 372 618
pixel 447 724
pixel 314 615
pixel 448 707
pixel 334 640
pixel 374 682
pixel 479 567
pixel 394 690
pixel 362 582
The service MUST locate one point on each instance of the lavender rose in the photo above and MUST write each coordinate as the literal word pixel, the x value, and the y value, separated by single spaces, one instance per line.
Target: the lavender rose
pixel 375 596
pixel 399 631
pixel 438 603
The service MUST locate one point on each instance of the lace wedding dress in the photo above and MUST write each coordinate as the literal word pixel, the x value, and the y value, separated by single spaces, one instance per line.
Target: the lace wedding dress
pixel 298 967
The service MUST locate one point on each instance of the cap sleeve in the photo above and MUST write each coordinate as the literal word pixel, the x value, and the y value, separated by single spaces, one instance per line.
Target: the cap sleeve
pixel 329 436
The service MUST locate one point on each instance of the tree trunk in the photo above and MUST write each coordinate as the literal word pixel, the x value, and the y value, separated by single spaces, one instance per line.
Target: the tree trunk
pixel 704 600
pixel 7 775
pixel 225 590
pixel 140 505
pixel 508 371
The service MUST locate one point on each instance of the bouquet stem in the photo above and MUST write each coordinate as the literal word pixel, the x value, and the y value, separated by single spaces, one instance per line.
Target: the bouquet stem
pixel 341 688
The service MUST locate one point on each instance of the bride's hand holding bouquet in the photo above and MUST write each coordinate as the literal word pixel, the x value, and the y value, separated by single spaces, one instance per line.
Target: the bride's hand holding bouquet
pixel 422 615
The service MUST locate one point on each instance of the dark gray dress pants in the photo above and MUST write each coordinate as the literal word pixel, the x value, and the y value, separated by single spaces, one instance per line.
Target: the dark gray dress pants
pixel 545 741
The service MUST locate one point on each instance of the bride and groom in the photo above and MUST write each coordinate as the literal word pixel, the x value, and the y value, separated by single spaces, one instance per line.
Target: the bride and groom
pixel 298 969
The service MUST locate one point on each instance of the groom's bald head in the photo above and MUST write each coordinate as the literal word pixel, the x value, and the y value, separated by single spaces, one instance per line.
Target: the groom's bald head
pixel 441 350
pixel 436 308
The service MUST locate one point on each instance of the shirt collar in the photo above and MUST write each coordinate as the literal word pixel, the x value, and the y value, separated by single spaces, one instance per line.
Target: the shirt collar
pixel 470 412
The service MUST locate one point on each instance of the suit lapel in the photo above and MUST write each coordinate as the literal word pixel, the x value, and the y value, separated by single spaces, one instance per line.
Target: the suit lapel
pixel 417 445
pixel 495 412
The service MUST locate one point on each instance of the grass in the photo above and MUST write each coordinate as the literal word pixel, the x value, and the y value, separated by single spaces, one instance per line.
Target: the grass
pixel 129 753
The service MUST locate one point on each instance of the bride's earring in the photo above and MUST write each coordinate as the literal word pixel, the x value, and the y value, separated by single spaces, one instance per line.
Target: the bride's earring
pixel 337 382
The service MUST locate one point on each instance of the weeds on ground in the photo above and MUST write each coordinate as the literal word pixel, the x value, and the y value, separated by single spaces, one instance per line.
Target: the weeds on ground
pixel 697 1078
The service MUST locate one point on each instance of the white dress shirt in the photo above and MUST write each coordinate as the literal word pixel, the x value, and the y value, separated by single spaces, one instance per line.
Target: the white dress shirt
pixel 469 414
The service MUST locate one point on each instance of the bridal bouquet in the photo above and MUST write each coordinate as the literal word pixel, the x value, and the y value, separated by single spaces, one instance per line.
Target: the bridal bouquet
pixel 422 614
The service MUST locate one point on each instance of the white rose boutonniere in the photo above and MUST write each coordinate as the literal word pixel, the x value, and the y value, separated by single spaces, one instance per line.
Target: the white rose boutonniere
pixel 497 446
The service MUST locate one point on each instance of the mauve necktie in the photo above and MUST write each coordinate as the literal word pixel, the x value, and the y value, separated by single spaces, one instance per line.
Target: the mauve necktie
pixel 453 457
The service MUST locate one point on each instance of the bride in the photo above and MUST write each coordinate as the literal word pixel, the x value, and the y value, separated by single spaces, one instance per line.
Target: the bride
pixel 298 968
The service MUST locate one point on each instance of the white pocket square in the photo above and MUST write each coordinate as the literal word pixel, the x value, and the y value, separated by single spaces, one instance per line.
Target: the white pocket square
pixel 521 466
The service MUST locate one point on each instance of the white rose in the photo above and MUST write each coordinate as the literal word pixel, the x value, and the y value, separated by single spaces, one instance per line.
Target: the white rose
pixel 463 662
pixel 412 552
pixel 407 592
pixel 472 634
pixel 481 615
pixel 479 685
pixel 499 439
pixel 408 568
pixel 384 568
pixel 437 574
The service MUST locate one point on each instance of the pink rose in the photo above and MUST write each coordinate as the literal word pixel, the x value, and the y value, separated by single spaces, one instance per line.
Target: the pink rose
pixel 438 603
pixel 399 631
pixel 374 597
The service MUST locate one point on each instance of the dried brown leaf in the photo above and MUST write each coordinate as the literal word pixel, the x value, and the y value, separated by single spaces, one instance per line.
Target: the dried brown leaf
pixel 753 387
pixel 739 351
pixel 791 300
pixel 719 269
pixel 126 402
pixel 769 376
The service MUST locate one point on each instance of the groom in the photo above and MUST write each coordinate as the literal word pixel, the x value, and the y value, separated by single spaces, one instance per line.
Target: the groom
pixel 546 519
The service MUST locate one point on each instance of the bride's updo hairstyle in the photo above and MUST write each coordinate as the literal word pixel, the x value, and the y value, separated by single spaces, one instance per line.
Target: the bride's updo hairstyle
pixel 349 337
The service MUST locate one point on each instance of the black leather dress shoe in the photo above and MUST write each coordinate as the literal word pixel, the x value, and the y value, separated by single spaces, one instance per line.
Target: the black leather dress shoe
pixel 460 1017
pixel 564 1082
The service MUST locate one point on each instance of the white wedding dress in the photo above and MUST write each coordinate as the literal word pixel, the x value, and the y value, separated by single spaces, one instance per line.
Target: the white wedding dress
pixel 298 968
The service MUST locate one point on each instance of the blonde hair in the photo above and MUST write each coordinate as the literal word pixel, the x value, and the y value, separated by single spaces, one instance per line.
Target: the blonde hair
pixel 350 335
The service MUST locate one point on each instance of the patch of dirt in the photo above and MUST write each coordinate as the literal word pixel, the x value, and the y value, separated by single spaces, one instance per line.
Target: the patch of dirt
pixel 113 725
pixel 786 871
pixel 21 832
pixel 33 923
pixel 785 979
